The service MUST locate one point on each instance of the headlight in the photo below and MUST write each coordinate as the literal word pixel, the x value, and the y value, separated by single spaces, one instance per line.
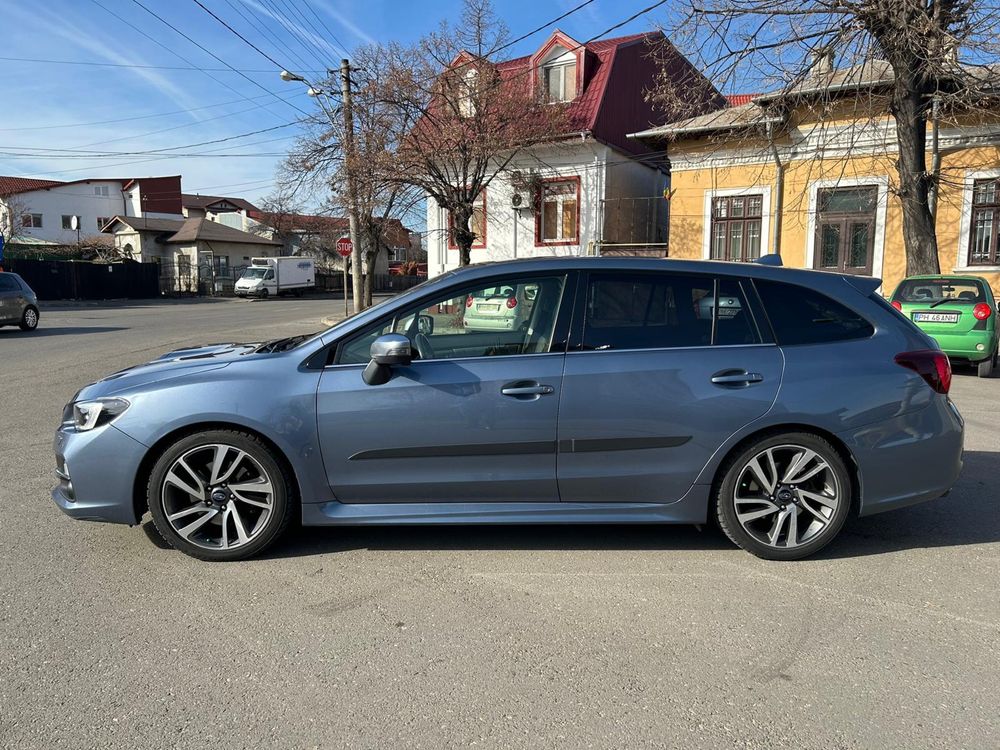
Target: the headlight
pixel 90 414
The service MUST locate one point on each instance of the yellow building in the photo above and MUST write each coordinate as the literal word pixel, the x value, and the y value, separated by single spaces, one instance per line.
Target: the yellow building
pixel 810 173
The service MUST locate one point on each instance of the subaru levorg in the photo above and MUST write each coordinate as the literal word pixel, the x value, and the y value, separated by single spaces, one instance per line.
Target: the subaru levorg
pixel 776 401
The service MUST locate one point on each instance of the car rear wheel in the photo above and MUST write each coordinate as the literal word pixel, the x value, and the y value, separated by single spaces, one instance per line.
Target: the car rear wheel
pixel 220 495
pixel 987 366
pixel 784 497
pixel 29 320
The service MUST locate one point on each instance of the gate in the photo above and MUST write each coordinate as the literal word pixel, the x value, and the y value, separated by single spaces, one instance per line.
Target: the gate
pixel 63 279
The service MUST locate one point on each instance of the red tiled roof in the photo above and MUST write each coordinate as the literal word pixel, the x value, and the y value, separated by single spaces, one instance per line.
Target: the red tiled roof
pixel 14 185
pixel 738 100
pixel 618 72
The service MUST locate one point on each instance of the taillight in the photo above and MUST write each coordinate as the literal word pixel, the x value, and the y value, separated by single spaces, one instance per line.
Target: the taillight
pixel 930 364
pixel 982 311
pixel 896 303
pixel 511 303
pixel 468 301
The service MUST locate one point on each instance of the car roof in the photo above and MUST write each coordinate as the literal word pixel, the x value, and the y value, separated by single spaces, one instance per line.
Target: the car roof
pixel 805 277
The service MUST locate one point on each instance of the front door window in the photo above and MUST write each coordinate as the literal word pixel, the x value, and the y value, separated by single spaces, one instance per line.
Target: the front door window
pixel 845 229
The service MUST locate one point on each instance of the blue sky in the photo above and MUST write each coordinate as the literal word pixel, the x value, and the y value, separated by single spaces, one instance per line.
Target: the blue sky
pixel 68 106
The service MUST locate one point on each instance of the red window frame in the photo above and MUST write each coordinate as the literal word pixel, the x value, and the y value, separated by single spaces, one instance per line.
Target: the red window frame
pixel 539 201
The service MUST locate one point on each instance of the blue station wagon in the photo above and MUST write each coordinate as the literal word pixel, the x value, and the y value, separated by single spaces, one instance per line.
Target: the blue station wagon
pixel 775 401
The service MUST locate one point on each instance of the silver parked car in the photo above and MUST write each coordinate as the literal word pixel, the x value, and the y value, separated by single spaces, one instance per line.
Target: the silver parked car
pixel 18 303
pixel 776 401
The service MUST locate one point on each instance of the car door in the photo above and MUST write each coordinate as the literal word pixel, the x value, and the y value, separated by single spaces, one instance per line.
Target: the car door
pixel 664 368
pixel 472 419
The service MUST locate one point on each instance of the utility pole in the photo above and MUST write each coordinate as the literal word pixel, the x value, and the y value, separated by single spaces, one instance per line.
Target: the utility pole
pixel 350 163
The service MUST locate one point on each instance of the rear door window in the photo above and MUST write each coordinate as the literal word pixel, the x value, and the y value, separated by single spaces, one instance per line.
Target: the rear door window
pixel 800 315
pixel 657 311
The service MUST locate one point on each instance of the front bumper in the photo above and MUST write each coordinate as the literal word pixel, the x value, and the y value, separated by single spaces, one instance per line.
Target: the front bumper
pixel 97 471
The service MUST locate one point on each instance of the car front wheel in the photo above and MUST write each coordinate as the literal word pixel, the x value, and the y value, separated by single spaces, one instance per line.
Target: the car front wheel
pixel 784 497
pixel 220 495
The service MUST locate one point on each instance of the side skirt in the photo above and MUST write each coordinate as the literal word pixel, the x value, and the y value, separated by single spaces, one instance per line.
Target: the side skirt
pixel 692 509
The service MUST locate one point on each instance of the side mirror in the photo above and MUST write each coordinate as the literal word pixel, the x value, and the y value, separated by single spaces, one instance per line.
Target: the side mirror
pixel 387 351
pixel 425 325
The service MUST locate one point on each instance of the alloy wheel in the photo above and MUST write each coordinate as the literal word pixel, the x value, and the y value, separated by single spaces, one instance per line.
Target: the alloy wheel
pixel 217 497
pixel 786 496
pixel 30 318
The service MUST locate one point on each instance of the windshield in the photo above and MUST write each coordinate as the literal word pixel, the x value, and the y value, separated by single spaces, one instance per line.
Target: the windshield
pixel 494 291
pixel 928 291
pixel 254 273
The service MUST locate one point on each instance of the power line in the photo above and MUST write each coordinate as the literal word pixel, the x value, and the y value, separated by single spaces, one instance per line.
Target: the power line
pixel 247 41
pixel 141 67
pixel 212 54
pixel 181 57
pixel 148 152
pixel 263 30
pixel 301 33
pixel 316 15
pixel 138 117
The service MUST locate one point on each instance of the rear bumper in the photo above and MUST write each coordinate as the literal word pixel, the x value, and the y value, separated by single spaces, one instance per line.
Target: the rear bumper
pixel 964 347
pixel 908 459
pixel 96 471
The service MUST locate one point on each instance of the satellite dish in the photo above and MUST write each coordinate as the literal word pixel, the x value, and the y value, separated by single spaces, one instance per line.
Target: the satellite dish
pixel 74 223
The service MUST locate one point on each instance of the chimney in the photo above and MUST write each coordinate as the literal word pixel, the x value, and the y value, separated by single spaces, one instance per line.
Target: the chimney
pixel 822 62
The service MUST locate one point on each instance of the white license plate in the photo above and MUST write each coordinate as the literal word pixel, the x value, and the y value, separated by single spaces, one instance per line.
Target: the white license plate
pixel 930 317
pixel 487 308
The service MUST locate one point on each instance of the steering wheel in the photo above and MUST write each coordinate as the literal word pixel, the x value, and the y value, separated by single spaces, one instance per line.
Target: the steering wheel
pixel 424 348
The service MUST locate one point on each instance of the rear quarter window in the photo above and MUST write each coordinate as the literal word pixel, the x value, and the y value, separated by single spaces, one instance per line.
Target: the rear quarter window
pixel 800 315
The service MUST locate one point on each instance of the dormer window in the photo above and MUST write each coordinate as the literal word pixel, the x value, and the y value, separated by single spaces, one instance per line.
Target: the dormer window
pixel 559 78
pixel 469 90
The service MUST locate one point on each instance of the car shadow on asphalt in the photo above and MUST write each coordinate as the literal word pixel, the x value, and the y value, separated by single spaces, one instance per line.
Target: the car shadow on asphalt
pixel 58 331
pixel 969 515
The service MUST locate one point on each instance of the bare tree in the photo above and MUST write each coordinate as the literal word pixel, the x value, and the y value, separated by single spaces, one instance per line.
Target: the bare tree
pixel 13 212
pixel 466 117
pixel 915 61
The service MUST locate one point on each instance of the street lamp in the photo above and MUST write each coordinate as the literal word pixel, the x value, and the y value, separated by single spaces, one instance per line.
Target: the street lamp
pixel 346 111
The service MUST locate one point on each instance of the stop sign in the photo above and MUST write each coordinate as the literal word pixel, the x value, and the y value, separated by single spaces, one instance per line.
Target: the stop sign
pixel 345 246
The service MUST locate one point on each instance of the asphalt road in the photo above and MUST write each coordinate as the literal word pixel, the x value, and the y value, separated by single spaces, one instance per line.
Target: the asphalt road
pixel 492 637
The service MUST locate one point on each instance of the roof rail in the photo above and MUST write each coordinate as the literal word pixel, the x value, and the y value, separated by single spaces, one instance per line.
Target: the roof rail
pixel 770 260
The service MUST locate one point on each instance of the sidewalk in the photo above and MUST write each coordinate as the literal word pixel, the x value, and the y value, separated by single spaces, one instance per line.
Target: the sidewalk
pixel 332 320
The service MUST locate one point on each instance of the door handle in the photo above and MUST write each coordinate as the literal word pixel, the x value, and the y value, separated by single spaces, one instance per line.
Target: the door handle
pixel 737 377
pixel 529 389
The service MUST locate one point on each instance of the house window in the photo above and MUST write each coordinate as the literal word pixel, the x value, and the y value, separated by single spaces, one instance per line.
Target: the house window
pixel 559 79
pixel 468 89
pixel 101 190
pixel 736 227
pixel 183 265
pixel 477 223
pixel 845 229
pixel 985 224
pixel 222 265
pixel 32 221
pixel 558 220
pixel 102 221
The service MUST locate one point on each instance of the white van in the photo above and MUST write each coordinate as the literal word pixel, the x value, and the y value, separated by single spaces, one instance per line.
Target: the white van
pixel 274 276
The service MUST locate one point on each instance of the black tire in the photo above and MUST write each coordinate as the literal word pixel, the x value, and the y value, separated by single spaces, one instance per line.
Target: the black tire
pixel 282 502
pixel 264 293
pixel 736 466
pixel 986 367
pixel 29 319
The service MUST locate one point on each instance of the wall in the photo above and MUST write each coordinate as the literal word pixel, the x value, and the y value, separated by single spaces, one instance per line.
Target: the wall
pixel 510 233
pixel 701 170
pixel 78 199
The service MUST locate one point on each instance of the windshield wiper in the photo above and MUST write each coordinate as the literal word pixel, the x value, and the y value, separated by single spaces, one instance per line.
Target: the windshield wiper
pixel 942 301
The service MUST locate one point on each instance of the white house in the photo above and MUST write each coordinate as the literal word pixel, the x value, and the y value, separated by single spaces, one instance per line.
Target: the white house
pixel 237 213
pixel 594 191
pixel 45 209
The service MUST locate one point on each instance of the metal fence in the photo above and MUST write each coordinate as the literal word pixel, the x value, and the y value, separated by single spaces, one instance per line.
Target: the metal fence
pixel 63 279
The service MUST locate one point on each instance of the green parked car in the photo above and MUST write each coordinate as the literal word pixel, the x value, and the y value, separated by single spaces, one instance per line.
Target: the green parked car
pixel 959 312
